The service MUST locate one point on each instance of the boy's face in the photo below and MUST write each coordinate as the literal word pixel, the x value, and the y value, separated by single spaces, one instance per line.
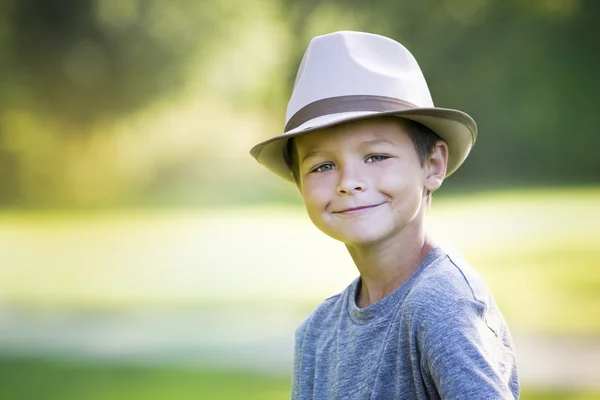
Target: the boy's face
pixel 362 182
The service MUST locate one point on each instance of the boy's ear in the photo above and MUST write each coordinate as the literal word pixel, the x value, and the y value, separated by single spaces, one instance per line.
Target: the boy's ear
pixel 436 166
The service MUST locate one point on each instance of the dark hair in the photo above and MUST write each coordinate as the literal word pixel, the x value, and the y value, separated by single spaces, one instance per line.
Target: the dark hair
pixel 423 138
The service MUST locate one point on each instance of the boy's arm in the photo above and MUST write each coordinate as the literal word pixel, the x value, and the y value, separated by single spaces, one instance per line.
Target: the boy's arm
pixel 297 368
pixel 465 357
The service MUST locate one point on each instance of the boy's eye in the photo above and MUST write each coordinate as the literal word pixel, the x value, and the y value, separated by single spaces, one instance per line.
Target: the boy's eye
pixel 376 158
pixel 323 168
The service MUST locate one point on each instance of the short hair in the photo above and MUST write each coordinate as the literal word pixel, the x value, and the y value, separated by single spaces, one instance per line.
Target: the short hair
pixel 424 140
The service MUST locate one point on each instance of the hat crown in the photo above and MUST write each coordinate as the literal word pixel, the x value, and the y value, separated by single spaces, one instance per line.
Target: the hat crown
pixel 356 63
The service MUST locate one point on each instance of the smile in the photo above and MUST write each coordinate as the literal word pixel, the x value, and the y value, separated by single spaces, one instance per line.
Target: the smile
pixel 357 210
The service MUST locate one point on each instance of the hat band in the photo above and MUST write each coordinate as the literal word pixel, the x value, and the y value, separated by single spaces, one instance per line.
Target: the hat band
pixel 342 104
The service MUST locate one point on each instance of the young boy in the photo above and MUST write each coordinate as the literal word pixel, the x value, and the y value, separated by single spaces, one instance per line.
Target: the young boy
pixel 366 148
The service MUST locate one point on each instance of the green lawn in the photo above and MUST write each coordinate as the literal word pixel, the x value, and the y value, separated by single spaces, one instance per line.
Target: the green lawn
pixel 53 380
pixel 539 251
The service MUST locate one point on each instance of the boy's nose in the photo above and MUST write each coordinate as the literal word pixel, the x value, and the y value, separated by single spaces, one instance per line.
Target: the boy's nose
pixel 350 183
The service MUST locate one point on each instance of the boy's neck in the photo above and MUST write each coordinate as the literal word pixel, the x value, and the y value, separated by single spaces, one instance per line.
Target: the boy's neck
pixel 385 266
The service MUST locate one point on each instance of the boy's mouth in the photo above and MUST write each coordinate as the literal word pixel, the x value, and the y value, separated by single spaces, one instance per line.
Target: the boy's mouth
pixel 357 210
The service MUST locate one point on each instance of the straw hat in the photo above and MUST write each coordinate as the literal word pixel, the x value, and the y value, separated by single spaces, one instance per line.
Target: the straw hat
pixel 346 76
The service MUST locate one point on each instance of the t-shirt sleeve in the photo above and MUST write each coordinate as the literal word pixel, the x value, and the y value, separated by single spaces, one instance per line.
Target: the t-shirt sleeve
pixel 464 357
pixel 297 367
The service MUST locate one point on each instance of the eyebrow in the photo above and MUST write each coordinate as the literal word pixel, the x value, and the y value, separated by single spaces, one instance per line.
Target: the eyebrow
pixel 375 142
pixel 370 143
pixel 310 154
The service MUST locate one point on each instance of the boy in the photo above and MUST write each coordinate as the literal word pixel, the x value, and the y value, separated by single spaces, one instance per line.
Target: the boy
pixel 366 148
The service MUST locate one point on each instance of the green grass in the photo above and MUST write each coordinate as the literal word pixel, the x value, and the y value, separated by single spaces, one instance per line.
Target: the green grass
pixel 53 380
pixel 539 251
pixel 27 379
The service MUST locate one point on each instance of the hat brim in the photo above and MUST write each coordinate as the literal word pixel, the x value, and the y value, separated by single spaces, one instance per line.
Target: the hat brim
pixel 456 128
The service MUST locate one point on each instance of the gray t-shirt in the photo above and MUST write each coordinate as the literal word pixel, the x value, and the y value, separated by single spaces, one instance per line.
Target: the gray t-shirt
pixel 438 335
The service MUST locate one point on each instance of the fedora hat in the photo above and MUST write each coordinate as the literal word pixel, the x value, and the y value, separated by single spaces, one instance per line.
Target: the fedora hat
pixel 346 76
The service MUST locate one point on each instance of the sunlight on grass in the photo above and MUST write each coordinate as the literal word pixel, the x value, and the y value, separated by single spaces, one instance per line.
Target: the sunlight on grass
pixel 538 250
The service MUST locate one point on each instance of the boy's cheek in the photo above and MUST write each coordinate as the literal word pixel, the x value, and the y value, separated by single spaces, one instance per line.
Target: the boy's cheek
pixel 314 204
pixel 316 186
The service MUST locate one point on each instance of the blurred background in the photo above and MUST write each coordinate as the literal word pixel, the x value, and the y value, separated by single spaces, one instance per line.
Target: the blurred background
pixel 145 255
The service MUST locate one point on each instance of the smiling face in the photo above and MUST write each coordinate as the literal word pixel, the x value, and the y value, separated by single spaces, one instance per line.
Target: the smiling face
pixel 363 182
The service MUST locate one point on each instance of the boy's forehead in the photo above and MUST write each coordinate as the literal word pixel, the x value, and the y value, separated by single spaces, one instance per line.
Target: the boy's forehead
pixel 369 131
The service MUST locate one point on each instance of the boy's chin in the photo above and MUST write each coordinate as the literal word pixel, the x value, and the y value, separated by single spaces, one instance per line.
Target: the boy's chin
pixel 358 239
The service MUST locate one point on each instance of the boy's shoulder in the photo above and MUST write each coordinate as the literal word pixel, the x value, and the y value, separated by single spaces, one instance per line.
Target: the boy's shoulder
pixel 326 312
pixel 437 286
pixel 451 286
pixel 449 278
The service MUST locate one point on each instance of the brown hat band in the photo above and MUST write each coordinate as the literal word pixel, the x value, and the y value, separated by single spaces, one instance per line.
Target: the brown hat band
pixel 341 104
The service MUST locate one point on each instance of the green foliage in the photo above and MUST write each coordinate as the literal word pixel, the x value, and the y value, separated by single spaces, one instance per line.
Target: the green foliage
pixel 83 61
pixel 106 102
